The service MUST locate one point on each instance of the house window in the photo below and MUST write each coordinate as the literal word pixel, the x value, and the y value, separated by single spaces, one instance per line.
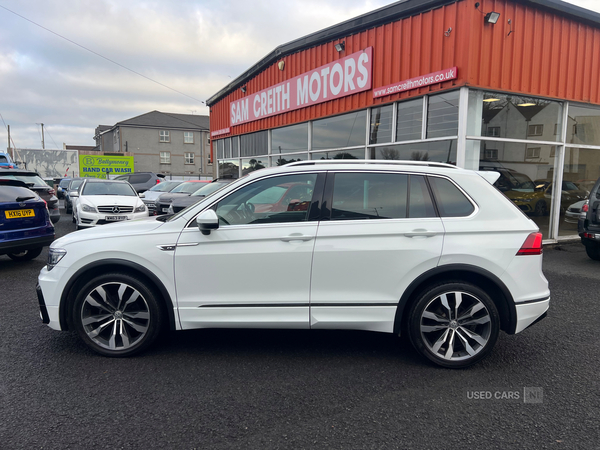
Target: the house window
pixel 164 136
pixel 493 131
pixel 165 157
pixel 189 158
pixel 490 154
pixel 532 153
pixel 536 130
pixel 188 137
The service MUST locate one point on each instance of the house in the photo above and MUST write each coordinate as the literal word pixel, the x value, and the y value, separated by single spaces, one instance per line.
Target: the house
pixel 172 144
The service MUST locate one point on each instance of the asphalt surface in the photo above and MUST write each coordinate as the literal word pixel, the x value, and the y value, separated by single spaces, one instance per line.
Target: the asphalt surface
pixel 229 389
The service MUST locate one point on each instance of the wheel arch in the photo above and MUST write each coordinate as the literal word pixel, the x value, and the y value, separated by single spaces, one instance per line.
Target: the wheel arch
pixel 482 278
pixel 86 273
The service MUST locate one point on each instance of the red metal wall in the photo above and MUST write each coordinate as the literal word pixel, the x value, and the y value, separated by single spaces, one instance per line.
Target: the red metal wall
pixel 545 55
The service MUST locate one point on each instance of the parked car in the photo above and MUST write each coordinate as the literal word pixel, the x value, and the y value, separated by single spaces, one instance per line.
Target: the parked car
pixel 185 189
pixel 576 211
pixel 423 249
pixel 142 181
pixel 101 201
pixel 150 196
pixel 588 225
pixel 6 162
pixel 180 203
pixel 34 182
pixel 62 186
pixel 570 192
pixel 73 186
pixel 24 221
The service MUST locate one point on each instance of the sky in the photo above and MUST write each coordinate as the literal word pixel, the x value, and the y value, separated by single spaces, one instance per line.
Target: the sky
pixel 115 57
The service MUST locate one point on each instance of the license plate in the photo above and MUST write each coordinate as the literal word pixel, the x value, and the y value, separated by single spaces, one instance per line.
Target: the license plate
pixel 165 210
pixel 18 213
pixel 115 218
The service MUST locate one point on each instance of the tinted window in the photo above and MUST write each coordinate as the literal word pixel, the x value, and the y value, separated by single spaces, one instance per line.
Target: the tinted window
pixel 165 186
pixel 11 193
pixel 139 178
pixel 3 159
pixel 451 202
pixel 420 204
pixel 369 196
pixel 122 178
pixel 30 180
pixel 281 199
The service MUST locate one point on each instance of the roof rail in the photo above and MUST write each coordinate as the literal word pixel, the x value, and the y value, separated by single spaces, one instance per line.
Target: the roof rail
pixel 371 161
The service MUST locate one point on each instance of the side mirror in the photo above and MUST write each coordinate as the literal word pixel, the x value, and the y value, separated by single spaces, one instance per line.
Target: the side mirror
pixel 74 194
pixel 141 195
pixel 207 221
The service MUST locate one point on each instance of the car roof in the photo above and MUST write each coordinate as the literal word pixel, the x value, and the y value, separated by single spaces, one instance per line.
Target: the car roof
pixel 18 172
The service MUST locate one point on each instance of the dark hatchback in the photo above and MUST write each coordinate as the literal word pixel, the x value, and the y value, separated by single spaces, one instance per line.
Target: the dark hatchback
pixel 25 226
pixel 185 189
pixel 34 182
pixel 588 225
pixel 142 181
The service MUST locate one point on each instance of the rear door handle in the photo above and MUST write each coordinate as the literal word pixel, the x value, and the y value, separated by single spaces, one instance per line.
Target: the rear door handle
pixel 421 233
pixel 296 237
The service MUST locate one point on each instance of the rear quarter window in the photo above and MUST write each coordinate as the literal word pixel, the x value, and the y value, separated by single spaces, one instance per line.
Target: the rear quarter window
pixel 451 202
pixel 141 178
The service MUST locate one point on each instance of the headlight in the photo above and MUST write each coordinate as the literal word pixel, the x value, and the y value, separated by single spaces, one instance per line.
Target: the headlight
pixel 88 208
pixel 141 208
pixel 54 256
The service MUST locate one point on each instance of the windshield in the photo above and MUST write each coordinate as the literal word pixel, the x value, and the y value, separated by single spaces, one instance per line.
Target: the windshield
pixel 188 187
pixel 209 189
pixel 64 183
pixel 108 188
pixel 29 180
pixel 165 186
pixel 75 184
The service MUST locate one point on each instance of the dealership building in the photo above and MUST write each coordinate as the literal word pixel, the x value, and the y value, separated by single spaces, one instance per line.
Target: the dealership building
pixel 511 86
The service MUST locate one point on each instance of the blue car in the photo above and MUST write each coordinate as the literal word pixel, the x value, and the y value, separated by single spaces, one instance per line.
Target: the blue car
pixel 25 226
pixel 6 162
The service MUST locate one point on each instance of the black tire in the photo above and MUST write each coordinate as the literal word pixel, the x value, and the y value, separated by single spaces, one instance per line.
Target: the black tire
pixel 450 334
pixel 593 251
pixel 27 255
pixel 540 208
pixel 117 315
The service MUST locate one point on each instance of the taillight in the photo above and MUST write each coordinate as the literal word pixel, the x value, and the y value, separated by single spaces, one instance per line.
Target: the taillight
pixel 158 181
pixel 51 192
pixel 532 245
pixel 585 207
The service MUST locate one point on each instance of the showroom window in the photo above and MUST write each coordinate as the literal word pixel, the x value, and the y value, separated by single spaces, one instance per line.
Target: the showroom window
pixel 254 144
pixel 442 115
pixel 347 130
pixel 164 136
pixel 409 122
pixel 165 157
pixel 188 137
pixel 381 124
pixel 436 151
pixel 229 169
pixel 189 158
pixel 289 139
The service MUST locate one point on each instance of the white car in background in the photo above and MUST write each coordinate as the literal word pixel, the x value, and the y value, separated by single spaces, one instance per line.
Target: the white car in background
pixel 99 202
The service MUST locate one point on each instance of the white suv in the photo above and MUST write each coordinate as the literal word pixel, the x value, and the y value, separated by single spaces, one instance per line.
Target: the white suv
pixel 423 249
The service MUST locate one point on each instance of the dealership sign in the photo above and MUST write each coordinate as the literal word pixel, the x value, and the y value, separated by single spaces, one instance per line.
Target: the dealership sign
pixel 417 82
pixel 343 77
pixel 100 166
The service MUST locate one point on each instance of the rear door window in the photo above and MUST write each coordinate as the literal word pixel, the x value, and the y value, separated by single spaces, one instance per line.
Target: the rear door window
pixel 451 202
pixel 139 178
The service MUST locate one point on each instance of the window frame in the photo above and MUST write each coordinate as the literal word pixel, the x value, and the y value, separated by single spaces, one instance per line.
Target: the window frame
pixel 164 160
pixel 185 133
pixel 189 161
pixel 164 136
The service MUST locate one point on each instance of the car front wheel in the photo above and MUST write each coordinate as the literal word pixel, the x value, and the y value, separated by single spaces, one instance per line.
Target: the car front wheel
pixel 25 255
pixel 454 324
pixel 117 315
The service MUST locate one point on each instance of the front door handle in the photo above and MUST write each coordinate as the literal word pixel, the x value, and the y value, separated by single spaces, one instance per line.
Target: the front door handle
pixel 296 237
pixel 421 233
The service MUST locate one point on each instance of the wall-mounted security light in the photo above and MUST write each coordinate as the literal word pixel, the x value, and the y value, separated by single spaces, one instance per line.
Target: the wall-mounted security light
pixel 281 65
pixel 340 46
pixel 243 88
pixel 492 17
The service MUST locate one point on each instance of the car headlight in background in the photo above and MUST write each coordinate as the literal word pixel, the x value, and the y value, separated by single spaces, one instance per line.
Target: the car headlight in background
pixel 88 208
pixel 140 208
pixel 54 256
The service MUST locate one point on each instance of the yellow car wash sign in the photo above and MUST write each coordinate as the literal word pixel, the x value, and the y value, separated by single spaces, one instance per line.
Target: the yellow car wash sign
pixel 100 166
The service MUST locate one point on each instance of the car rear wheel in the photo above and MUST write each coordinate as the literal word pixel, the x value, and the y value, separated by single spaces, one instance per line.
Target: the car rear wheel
pixel 593 251
pixel 117 315
pixel 454 324
pixel 25 255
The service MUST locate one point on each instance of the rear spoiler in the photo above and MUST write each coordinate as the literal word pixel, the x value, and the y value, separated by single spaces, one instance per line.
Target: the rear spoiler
pixel 490 176
pixel 7 182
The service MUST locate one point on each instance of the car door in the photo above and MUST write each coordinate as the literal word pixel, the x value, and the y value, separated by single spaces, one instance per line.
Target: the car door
pixel 254 270
pixel 380 232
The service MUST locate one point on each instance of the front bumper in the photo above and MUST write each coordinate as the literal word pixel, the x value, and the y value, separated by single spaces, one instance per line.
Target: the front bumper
pixel 92 219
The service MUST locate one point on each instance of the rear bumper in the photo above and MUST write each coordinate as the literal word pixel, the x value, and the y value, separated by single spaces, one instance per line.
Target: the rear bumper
pixel 22 245
pixel 530 313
